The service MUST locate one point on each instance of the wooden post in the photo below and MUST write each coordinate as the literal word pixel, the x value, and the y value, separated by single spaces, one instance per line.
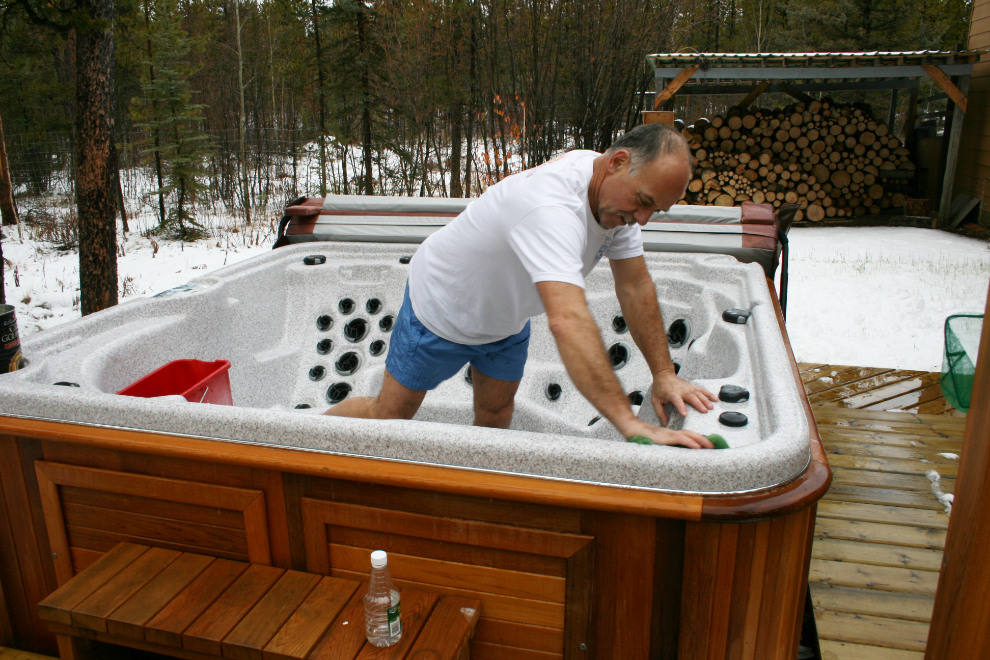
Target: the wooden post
pixel 8 212
pixel 960 627
pixel 755 94
pixel 910 120
pixel 892 112
pixel 668 91
pixel 955 93
pixel 952 156
pixel 794 93
pixel 658 117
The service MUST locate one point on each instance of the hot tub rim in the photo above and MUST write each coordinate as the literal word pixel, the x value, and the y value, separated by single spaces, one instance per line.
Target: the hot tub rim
pixel 754 504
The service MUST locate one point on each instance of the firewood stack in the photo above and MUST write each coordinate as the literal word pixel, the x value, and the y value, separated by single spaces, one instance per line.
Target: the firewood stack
pixel 835 160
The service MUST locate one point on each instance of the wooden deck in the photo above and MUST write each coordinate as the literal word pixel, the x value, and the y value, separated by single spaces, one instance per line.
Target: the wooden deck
pixel 14 654
pixel 881 529
pixel 866 388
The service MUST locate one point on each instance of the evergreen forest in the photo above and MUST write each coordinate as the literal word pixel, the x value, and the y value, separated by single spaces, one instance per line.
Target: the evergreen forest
pixel 246 106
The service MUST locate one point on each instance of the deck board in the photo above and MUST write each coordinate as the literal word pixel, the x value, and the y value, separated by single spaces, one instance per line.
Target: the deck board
pixel 880 529
pixel 14 654
pixel 875 388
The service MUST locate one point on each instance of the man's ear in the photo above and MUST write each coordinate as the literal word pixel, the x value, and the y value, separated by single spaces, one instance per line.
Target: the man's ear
pixel 617 160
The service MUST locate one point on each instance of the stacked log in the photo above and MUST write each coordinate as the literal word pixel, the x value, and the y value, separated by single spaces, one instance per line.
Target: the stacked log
pixel 835 160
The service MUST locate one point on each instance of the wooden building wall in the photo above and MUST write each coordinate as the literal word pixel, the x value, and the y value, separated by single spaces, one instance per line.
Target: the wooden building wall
pixel 973 170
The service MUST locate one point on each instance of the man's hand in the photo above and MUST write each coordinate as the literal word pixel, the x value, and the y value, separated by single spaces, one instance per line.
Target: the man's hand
pixel 662 436
pixel 668 388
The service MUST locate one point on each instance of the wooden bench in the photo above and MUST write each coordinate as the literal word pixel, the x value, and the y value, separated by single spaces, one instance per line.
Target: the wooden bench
pixel 198 607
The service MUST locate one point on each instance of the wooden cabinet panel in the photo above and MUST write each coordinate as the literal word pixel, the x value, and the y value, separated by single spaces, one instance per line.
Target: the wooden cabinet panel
pixel 621 577
pixel 731 606
pixel 6 625
pixel 520 514
pixel 25 557
pixel 521 574
pixel 89 510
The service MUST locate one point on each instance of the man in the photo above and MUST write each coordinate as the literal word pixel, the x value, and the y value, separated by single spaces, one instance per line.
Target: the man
pixel 522 248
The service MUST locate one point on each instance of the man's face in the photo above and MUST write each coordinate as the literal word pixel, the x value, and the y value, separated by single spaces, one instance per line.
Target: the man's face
pixel 628 199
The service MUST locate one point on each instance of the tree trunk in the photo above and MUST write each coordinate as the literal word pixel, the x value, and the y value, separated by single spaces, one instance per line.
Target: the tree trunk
pixel 158 153
pixel 94 179
pixel 245 187
pixel 6 206
pixel 345 151
pixel 8 212
pixel 366 103
pixel 118 188
pixel 455 151
pixel 322 97
pixel 3 295
pixel 468 166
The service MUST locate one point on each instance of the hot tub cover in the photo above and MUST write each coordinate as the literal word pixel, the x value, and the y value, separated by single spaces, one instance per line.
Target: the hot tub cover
pixel 747 233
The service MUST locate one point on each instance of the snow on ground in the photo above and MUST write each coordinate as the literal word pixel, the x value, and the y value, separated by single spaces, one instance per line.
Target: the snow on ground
pixel 857 296
pixel 48 289
pixel 879 296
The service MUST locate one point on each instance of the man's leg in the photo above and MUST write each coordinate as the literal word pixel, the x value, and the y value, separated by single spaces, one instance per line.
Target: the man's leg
pixel 394 401
pixel 493 400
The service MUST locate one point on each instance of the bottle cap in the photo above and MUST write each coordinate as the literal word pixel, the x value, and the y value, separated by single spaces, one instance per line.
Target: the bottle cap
pixel 379 559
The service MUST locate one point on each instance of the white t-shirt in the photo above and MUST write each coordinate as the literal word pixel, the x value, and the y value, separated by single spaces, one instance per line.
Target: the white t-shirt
pixel 473 281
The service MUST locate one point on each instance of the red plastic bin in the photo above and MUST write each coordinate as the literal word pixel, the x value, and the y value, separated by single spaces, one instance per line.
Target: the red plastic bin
pixel 198 381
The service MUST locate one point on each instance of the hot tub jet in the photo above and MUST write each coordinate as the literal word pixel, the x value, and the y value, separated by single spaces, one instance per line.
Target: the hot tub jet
pixel 679 333
pixel 338 392
pixel 618 355
pixel 355 330
pixel 348 364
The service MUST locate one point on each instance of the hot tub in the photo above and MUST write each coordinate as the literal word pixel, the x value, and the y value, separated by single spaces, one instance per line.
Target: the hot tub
pixel 578 543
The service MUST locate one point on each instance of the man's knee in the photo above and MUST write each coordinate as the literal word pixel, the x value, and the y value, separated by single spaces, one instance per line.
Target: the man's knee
pixel 396 401
pixel 495 407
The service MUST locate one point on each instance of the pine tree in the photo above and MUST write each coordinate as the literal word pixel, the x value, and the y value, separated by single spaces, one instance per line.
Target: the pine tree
pixel 357 60
pixel 165 110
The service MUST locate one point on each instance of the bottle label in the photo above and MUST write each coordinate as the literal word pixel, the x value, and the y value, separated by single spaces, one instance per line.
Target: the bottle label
pixel 394 624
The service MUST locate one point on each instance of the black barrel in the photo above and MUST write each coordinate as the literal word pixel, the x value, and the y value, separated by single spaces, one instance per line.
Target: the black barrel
pixel 10 341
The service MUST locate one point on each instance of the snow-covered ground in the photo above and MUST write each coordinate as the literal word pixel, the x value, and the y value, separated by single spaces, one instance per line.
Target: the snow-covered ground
pixel 858 296
pixel 879 296
pixel 45 289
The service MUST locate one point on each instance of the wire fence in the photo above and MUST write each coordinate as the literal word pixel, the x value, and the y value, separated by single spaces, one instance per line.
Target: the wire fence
pixel 280 165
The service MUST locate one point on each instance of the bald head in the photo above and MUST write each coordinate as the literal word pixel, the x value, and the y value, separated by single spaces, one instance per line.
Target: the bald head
pixel 650 142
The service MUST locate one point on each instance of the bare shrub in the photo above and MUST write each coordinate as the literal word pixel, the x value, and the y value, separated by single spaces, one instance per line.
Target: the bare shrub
pixel 127 287
pixel 59 228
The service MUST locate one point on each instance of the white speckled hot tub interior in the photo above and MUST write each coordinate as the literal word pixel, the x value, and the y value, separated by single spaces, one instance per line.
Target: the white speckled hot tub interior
pixel 264 316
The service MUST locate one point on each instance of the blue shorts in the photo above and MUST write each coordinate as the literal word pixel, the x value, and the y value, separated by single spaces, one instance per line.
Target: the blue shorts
pixel 420 360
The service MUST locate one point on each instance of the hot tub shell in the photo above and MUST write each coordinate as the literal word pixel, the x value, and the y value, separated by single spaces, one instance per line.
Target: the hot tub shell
pixel 578 544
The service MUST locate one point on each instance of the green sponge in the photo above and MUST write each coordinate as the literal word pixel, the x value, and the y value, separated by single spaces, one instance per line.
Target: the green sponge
pixel 714 438
pixel 718 441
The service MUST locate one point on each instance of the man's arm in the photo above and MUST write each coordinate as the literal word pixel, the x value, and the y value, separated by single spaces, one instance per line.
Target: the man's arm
pixel 583 353
pixel 638 300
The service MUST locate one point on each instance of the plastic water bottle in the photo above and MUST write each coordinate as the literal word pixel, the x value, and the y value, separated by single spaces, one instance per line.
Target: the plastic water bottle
pixel 381 604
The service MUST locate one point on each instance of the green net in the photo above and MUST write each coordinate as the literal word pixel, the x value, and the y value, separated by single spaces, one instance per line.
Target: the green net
pixel 962 342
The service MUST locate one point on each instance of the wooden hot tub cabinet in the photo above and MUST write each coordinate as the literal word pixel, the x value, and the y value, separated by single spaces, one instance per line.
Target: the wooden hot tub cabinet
pixel 562 569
